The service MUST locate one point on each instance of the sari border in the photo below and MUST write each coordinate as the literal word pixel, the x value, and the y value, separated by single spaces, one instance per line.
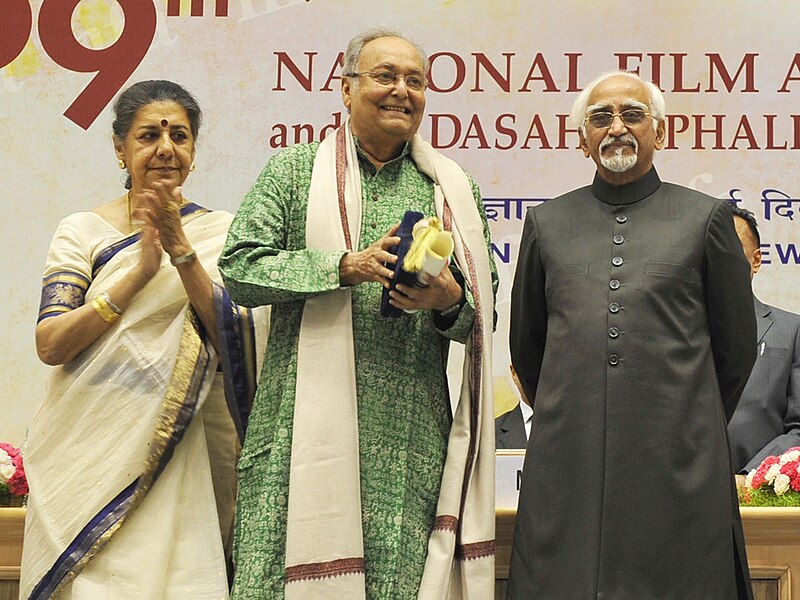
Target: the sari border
pixel 62 291
pixel 236 332
pixel 189 212
pixel 180 405
pixel 109 252
pixel 72 277
pixel 87 541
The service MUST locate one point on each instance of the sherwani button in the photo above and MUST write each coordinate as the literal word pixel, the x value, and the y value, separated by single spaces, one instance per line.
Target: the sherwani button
pixel 614 307
pixel 613 332
pixel 621 218
pixel 618 239
pixel 614 284
pixel 613 360
pixel 617 261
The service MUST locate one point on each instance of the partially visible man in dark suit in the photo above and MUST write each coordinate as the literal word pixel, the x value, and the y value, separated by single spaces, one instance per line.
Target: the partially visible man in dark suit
pixel 767 419
pixel 512 429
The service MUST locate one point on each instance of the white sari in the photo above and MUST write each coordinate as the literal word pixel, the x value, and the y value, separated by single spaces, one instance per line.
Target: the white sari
pixel 133 436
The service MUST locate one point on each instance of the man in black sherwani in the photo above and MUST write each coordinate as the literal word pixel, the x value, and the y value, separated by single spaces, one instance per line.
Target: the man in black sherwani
pixel 633 334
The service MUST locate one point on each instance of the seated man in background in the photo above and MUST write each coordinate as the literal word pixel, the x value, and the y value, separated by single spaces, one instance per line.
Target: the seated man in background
pixel 767 420
pixel 513 428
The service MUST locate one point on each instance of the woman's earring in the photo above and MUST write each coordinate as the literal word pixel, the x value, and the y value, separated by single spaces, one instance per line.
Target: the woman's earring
pixel 121 163
pixel 193 167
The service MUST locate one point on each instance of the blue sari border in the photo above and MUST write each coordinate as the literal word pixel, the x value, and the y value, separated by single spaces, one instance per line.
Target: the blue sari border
pixel 68 277
pixel 187 411
pixel 190 209
pixel 102 526
pixel 62 292
pixel 111 251
pixel 238 357
pixel 83 542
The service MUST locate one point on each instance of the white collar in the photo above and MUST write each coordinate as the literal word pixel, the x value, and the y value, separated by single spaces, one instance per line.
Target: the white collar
pixel 527 411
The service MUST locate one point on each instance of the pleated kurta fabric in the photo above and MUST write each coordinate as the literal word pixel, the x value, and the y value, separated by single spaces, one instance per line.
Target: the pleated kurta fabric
pixel 633 332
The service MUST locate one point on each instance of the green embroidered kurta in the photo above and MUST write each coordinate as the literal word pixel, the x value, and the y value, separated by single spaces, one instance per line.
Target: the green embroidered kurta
pixel 403 407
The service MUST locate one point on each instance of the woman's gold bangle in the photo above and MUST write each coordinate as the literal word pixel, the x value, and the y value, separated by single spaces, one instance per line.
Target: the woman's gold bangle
pixel 103 306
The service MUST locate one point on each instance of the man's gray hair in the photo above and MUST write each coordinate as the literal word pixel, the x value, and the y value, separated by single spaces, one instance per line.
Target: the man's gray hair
pixel 356 45
pixel 577 116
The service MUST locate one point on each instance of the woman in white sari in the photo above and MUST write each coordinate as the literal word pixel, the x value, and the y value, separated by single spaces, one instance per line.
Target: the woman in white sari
pixel 131 456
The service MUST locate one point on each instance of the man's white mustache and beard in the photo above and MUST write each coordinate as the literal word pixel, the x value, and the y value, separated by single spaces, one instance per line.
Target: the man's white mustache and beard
pixel 618 162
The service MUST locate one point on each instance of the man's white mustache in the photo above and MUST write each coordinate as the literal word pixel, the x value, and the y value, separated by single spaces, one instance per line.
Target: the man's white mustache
pixel 626 138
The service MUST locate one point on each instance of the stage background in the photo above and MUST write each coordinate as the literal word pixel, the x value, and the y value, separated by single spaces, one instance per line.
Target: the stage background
pixel 503 76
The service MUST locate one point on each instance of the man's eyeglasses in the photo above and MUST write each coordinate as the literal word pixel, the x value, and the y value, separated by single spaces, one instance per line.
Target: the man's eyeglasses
pixel 629 116
pixel 387 78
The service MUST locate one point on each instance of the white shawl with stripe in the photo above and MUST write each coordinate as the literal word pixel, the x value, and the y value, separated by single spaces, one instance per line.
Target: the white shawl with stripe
pixel 324 548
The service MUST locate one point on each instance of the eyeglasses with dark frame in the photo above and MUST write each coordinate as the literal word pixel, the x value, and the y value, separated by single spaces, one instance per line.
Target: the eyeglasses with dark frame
pixel 387 78
pixel 630 117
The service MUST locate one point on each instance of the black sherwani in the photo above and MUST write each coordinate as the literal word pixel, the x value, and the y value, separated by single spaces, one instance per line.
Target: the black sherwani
pixel 632 330
pixel 767 420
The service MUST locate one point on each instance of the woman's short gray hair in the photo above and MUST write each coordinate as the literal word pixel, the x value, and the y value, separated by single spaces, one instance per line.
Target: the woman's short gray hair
pixel 356 45
pixel 577 116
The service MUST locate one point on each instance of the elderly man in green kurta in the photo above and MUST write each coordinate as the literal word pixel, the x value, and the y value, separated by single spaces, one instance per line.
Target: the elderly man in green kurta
pixel 359 478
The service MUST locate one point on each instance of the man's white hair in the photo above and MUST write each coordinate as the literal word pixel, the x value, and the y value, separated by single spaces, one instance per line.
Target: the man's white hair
pixel 577 116
pixel 356 45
